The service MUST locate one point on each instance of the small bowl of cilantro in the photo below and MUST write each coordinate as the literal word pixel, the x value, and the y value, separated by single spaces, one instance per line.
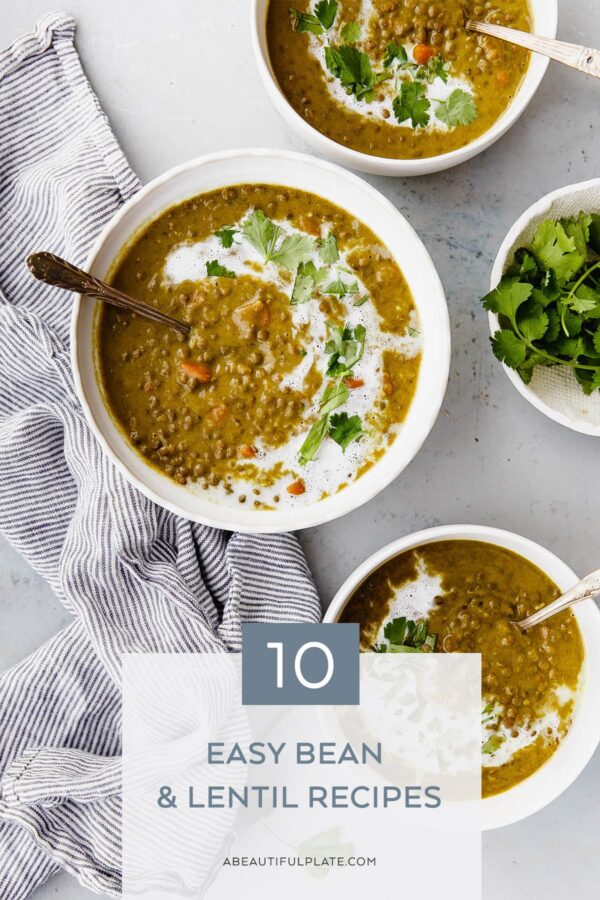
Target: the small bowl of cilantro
pixel 544 306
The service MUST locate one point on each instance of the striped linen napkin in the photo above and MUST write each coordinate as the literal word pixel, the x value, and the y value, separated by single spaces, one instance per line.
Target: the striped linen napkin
pixel 134 577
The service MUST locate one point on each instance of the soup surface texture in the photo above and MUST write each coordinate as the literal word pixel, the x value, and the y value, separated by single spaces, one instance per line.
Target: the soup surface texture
pixel 401 79
pixel 303 357
pixel 470 592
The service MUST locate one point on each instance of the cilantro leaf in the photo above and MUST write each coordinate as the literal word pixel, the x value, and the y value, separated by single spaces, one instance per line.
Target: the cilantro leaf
pixel 264 235
pixel 216 270
pixel 346 347
pixel 411 103
pixel 341 288
pixel 556 250
pixel 344 430
pixel 534 328
pixel 459 109
pixel 351 32
pixel 306 22
pixel 308 277
pixel 261 232
pixel 509 349
pixel 322 19
pixel 328 249
pixel 326 11
pixel 313 441
pixel 293 250
pixel 437 67
pixel 506 299
pixel 406 636
pixel 394 51
pixel 226 236
pixel 335 394
pixel 354 70
pixel 492 744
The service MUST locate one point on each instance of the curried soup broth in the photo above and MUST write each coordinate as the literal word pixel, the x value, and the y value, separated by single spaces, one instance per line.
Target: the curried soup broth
pixel 470 592
pixel 400 79
pixel 304 353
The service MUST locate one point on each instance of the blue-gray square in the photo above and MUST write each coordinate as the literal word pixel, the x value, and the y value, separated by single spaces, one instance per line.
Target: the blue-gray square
pixel 300 664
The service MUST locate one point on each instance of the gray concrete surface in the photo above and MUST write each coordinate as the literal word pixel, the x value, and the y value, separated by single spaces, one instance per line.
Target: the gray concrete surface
pixel 491 458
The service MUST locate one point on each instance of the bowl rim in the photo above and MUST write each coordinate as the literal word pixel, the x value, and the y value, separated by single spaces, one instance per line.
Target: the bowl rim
pixel 546 783
pixel 380 165
pixel 539 208
pixel 312 515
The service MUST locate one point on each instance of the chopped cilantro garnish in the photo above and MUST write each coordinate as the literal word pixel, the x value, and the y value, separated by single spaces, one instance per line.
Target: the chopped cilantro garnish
pixel 394 51
pixel 346 347
pixel 341 288
pixel 322 19
pixel 271 241
pixel 492 744
pixel 215 269
pixel 308 278
pixel 344 429
pixel 548 303
pixel 402 635
pixel 328 249
pixel 361 300
pixel 411 103
pixel 459 109
pixel 354 70
pixel 437 67
pixel 226 236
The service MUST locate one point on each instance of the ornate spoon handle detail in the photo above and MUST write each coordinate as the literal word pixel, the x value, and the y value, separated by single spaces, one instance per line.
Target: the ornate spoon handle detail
pixel 56 271
pixel 585 59
pixel 586 589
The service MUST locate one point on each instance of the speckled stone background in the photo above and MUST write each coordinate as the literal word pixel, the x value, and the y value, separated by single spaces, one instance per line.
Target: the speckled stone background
pixel 491 458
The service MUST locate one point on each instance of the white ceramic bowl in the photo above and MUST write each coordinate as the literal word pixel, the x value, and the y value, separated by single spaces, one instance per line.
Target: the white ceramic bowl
pixel 554 391
pixel 545 23
pixel 361 200
pixel 575 751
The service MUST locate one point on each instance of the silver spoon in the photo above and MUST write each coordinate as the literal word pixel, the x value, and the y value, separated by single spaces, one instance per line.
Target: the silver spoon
pixel 586 589
pixel 574 55
pixel 56 271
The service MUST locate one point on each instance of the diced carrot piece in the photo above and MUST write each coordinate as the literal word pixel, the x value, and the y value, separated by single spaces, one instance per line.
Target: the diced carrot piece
pixel 219 414
pixel 247 451
pixel 296 488
pixel 149 386
pixel 196 370
pixel 423 53
pixel 502 77
pixel 354 382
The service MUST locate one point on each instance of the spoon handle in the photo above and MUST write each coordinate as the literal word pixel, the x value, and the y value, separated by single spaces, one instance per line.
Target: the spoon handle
pixel 56 271
pixel 583 58
pixel 586 589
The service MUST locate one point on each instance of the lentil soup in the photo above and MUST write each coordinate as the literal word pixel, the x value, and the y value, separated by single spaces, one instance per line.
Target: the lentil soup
pixel 469 593
pixel 400 79
pixel 303 357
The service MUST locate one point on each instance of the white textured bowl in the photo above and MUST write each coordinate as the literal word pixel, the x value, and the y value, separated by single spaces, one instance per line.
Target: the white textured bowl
pixel 575 751
pixel 545 23
pixel 361 200
pixel 554 391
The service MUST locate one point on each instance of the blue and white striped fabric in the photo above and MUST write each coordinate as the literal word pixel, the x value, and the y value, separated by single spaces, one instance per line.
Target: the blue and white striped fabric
pixel 135 577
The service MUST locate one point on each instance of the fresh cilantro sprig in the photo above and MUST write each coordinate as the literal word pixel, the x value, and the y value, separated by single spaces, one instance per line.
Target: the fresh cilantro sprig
pixel 345 348
pixel 402 635
pixel 412 103
pixel 548 303
pixel 286 250
pixel 318 22
pixel 354 70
